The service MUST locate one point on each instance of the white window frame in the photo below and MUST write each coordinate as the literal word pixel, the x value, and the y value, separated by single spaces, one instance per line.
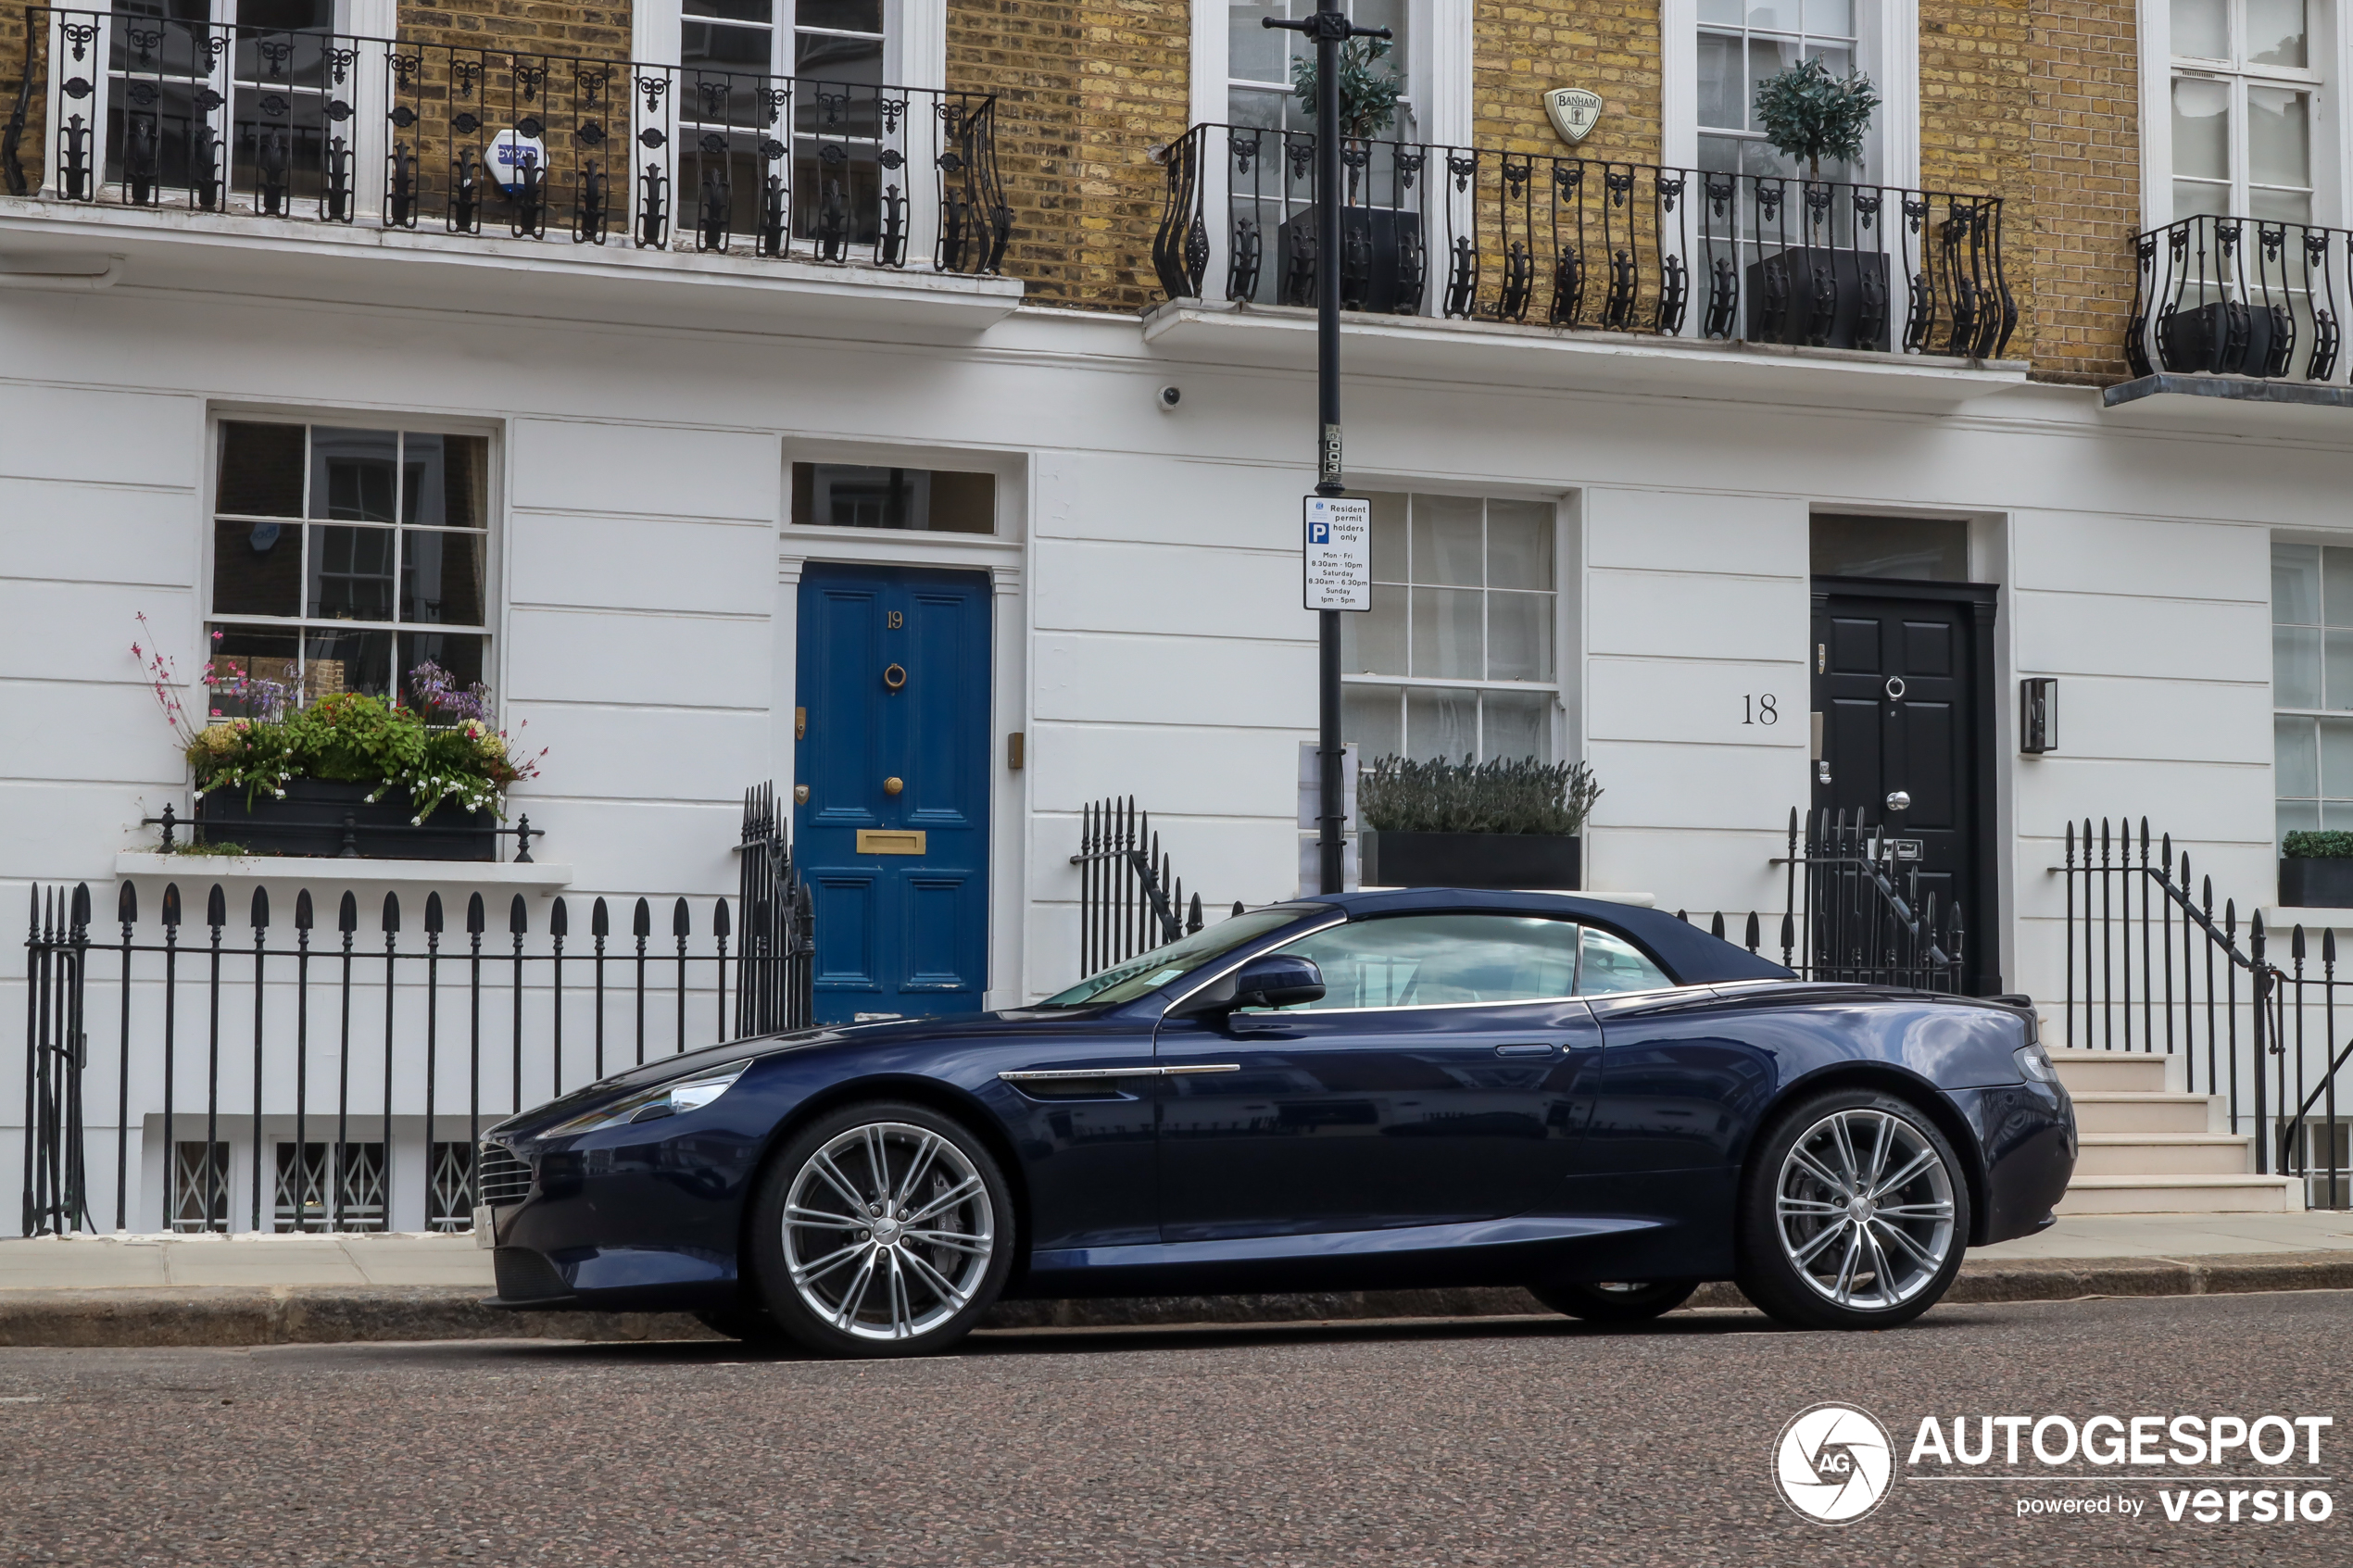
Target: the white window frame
pixel 1438 51
pixel 914 39
pixel 1886 49
pixel 2329 48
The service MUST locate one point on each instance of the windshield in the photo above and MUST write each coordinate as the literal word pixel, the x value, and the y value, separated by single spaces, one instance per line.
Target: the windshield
pixel 1150 972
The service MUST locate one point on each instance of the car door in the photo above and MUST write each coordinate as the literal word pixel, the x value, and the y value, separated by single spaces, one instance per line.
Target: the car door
pixel 1440 1080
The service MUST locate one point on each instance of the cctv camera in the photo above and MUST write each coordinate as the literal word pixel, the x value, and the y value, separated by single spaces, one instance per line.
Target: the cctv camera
pixel 1170 396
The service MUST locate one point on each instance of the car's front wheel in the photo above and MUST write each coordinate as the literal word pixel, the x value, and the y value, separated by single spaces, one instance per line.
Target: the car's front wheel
pixel 1854 1213
pixel 882 1229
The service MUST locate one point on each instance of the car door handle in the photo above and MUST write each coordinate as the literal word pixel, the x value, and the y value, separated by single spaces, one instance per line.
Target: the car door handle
pixel 1066 1074
pixel 1533 1049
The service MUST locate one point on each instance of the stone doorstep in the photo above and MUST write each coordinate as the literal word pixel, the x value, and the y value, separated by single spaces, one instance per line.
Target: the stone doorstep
pixel 232 1316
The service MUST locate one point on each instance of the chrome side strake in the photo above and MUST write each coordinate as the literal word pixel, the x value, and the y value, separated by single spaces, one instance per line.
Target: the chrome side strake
pixel 1066 1074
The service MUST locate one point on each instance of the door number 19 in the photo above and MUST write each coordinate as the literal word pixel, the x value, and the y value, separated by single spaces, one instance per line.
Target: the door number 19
pixel 1759 711
pixel 893 620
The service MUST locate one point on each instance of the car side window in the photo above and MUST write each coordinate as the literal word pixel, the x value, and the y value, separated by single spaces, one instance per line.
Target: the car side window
pixel 1431 961
pixel 1612 963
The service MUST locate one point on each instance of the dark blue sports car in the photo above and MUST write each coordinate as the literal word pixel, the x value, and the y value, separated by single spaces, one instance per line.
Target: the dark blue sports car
pixel 1361 1091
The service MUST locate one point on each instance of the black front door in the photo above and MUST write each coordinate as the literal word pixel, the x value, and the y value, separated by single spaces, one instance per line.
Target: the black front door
pixel 1902 678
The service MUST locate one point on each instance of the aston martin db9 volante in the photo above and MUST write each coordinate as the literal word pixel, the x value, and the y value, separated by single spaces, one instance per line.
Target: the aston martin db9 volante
pixel 1361 1091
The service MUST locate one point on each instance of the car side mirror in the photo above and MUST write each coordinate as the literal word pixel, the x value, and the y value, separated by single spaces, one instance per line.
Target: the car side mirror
pixel 1278 980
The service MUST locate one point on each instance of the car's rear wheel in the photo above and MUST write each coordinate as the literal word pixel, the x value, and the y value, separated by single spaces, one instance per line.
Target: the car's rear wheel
pixel 1855 1214
pixel 882 1229
pixel 1617 1301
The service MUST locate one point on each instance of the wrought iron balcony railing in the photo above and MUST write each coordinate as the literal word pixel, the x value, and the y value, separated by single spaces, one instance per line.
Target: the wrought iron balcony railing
pixel 1572 243
pixel 329 128
pixel 2240 296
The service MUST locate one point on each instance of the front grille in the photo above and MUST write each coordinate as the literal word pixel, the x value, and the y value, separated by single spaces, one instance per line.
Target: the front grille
pixel 505 1179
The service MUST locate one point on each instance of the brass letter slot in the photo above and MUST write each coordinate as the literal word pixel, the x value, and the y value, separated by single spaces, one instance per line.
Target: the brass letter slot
pixel 890 841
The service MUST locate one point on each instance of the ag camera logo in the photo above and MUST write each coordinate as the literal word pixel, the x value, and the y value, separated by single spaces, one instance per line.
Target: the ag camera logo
pixel 1833 1463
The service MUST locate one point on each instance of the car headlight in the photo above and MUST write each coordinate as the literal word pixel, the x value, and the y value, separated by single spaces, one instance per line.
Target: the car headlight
pixel 2034 1063
pixel 674 1099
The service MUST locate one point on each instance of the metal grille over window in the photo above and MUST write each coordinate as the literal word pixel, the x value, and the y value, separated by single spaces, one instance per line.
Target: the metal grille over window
pixel 341 1187
pixel 342 560
pixel 1456 658
pixel 2312 687
pixel 198 1169
pixel 453 1172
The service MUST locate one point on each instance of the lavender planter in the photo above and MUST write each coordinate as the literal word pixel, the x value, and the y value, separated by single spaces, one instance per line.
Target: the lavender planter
pixel 1500 861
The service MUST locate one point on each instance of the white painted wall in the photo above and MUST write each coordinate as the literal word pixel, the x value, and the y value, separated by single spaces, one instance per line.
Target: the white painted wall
pixel 1150 640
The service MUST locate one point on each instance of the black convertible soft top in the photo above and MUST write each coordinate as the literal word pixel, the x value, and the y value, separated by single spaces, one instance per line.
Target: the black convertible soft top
pixel 1685 951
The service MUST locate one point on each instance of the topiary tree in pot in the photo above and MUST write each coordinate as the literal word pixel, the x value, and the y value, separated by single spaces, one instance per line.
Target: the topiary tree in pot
pixel 1809 114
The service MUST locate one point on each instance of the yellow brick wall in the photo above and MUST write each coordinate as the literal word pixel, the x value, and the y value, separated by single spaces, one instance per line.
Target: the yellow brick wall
pixel 554 27
pixel 1027 52
pixel 2085 180
pixel 1520 49
pixel 1135 92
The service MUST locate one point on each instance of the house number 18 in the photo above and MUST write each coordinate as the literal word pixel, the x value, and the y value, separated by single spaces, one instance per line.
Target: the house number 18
pixel 1759 711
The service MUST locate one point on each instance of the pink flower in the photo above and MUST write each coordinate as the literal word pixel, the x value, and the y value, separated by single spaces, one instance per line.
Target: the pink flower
pixel 216 713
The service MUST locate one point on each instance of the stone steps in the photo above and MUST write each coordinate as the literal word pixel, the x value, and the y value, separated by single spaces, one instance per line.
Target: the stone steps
pixel 2147 1148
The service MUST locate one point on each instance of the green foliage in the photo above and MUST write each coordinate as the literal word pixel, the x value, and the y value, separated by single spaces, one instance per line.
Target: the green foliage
pixel 2306 845
pixel 1367 98
pixel 1809 114
pixel 1522 796
pixel 359 739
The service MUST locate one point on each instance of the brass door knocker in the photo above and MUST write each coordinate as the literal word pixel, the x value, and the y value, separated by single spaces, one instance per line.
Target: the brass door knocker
pixel 894 676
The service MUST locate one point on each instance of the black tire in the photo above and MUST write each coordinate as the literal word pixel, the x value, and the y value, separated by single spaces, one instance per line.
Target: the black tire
pixel 936 1279
pixel 751 1324
pixel 1805 1249
pixel 1614 1302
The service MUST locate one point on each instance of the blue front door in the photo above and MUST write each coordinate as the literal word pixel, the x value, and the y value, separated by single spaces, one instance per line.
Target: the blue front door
pixel 892 834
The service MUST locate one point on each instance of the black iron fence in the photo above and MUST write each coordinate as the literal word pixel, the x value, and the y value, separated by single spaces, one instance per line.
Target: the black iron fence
pixel 1128 900
pixel 2239 296
pixel 314 1066
pixel 1572 243
pixel 332 128
pixel 2153 967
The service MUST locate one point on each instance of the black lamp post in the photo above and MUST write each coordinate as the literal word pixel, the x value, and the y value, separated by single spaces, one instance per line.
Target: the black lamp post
pixel 1328 27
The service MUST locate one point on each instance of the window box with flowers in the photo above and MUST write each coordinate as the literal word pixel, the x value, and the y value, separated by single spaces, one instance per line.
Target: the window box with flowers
pixel 348 773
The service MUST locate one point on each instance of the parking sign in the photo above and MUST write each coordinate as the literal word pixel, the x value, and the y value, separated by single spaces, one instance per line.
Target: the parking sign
pixel 1336 554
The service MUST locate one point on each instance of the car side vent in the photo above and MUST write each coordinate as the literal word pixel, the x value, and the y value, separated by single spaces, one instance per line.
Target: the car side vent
pixel 505 1179
pixel 524 1275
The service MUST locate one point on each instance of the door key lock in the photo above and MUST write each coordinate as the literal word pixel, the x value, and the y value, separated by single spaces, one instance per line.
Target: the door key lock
pixel 1898 800
pixel 800 795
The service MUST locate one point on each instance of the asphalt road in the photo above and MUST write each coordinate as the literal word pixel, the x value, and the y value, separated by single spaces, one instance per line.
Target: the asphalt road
pixel 1473 1442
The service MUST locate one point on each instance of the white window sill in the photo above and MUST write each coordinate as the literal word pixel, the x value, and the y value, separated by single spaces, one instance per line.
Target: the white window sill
pixel 337 872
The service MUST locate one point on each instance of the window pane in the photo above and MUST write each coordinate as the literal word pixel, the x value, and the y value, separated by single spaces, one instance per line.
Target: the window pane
pixel 1831 18
pixel 444 480
pixel 1390 14
pixel 1440 725
pixel 1774 15
pixel 1612 964
pixel 843 16
pixel 830 58
pixel 2274 32
pixel 1516 724
pixel 1446 633
pixel 1519 544
pixel 1437 960
pixel 459 654
pixel 2193 198
pixel 2337 580
pixel 1767 57
pixel 347 662
pixel 1373 717
pixel 261 470
pixel 2338 691
pixel 354 474
pixel 2298 816
pixel 2201 129
pixel 2296 667
pixel 732 10
pixel 1373 642
pixel 350 573
pixel 1389 537
pixel 2202 29
pixel 1837 60
pixel 1254 53
pixel 2280 206
pixel 2296 582
pixel 256 569
pixel 855 496
pixel 1719 155
pixel 441 577
pixel 2296 762
pixel 1720 81
pixel 725 48
pixel 2279 137
pixel 1446 540
pixel 2337 758
pixel 1727 12
pixel 1519 636
pixel 246 654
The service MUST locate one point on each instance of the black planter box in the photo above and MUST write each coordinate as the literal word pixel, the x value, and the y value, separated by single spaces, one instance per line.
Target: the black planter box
pixel 319 817
pixel 1791 275
pixel 2316 885
pixel 1501 860
pixel 1372 276
pixel 2199 339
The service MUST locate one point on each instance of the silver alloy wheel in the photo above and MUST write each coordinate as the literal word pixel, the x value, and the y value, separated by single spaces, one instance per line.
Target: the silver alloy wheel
pixel 1864 1206
pixel 888 1231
